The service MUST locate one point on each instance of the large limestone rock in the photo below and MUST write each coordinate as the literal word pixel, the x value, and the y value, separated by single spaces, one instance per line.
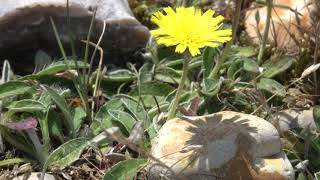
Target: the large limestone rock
pixel 25 26
pixel 224 145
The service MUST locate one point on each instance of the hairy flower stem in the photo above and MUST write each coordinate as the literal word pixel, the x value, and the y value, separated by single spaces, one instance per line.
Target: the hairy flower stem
pixel 215 72
pixel 37 145
pixel 174 105
pixel 266 31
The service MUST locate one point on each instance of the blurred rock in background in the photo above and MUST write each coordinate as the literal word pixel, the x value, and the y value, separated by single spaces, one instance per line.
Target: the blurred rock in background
pixel 25 28
pixel 291 21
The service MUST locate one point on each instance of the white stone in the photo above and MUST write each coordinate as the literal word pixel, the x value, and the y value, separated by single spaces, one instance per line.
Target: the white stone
pixel 35 176
pixel 296 118
pixel 278 163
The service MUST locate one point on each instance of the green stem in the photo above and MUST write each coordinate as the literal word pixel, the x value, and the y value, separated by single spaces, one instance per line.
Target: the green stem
pixel 215 72
pixel 175 103
pixel 266 32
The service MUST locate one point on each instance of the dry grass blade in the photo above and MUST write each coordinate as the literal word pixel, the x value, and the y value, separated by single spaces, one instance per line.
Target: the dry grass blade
pixel 309 70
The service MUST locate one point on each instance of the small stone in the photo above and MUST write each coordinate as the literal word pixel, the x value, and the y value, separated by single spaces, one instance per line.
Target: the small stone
pixel 302 166
pixel 296 118
pixel 276 166
pixel 35 176
pixel 224 144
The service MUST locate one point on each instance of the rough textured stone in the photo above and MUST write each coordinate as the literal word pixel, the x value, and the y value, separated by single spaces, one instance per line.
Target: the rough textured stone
pixel 222 145
pixel 296 118
pixel 25 25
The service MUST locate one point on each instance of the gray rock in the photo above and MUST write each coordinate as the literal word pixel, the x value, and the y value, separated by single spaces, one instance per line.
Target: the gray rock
pixel 296 118
pixel 25 25
pixel 223 144
pixel 34 176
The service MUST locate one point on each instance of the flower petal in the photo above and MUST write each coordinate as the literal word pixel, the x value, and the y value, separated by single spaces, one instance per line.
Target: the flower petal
pixel 181 48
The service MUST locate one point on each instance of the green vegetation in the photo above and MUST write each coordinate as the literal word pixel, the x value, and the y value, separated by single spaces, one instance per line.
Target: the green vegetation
pixel 77 113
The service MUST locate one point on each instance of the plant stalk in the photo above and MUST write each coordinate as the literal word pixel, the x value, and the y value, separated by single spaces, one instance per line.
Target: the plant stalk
pixel 215 72
pixel 175 103
pixel 266 31
pixel 37 145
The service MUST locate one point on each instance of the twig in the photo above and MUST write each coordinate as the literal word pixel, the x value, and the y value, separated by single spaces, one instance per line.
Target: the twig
pixel 96 48
pixel 96 85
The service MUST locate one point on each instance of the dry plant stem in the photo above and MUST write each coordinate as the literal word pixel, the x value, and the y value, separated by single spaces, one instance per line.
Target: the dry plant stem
pixel 96 48
pixel 175 103
pixel 266 32
pixel 274 95
pixel 86 54
pixel 98 77
pixel 115 134
pixel 215 72
pixel 65 59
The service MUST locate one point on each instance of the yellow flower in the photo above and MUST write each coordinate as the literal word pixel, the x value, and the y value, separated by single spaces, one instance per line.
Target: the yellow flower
pixel 189 28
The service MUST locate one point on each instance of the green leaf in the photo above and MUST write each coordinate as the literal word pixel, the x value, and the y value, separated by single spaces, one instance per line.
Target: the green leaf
pixel 121 75
pixel 113 104
pixel 251 66
pixel 26 105
pixel 13 88
pixel 233 70
pixel 18 141
pixel 44 124
pixel 125 119
pixel 135 108
pixel 316 116
pixel 55 127
pixel 211 86
pixel 155 88
pixel 66 154
pixel 78 116
pixel 63 106
pixel 166 74
pixel 145 73
pixel 9 162
pixel 140 114
pixel 208 59
pixel 60 66
pixel 103 119
pixel 275 67
pixel 271 86
pixel 301 176
pixel 245 51
pixel 125 170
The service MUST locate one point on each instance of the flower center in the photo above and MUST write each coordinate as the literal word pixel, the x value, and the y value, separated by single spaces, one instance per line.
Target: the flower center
pixel 190 39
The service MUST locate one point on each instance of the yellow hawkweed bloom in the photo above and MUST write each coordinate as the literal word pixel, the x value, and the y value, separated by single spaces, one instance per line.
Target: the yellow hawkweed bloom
pixel 189 28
